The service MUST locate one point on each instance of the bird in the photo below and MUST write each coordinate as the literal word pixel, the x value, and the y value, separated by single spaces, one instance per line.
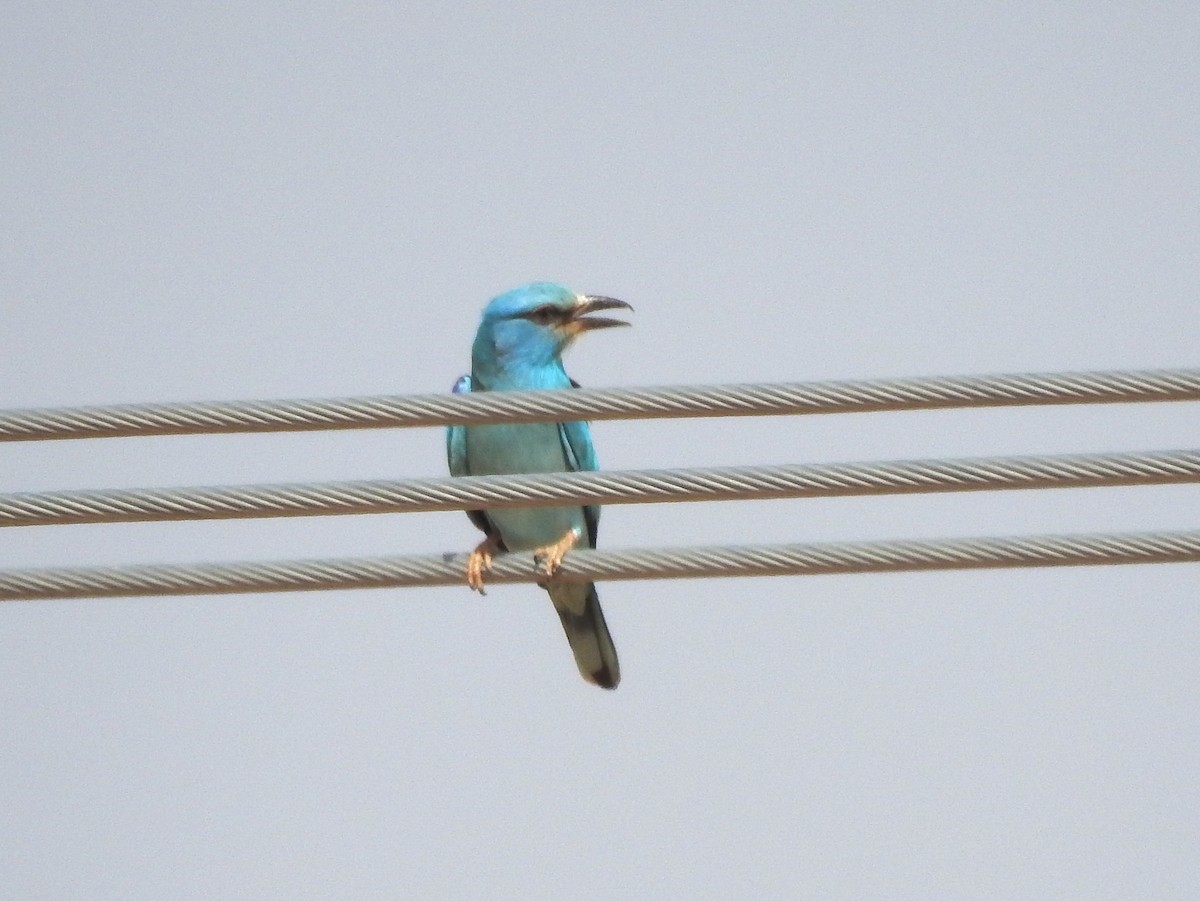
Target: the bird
pixel 519 346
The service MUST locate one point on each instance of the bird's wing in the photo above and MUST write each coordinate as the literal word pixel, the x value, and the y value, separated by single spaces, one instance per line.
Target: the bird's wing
pixel 576 440
pixel 578 606
pixel 456 436
pixel 456 458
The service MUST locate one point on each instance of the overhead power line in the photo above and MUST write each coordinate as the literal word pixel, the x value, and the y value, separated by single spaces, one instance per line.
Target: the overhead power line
pixel 629 487
pixel 598 404
pixel 586 565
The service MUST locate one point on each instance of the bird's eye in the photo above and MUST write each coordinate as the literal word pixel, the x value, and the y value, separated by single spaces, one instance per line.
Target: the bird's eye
pixel 543 315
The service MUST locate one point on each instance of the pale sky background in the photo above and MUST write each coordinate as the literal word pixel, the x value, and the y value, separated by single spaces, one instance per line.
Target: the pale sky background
pixel 253 201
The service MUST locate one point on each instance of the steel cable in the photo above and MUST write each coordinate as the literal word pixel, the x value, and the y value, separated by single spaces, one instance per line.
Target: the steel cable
pixel 617 487
pixel 598 404
pixel 584 565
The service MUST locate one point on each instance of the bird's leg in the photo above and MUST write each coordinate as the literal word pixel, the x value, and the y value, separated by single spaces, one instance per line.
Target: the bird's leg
pixel 551 556
pixel 480 562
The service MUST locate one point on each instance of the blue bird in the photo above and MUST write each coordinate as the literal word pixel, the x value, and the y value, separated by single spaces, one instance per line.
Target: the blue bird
pixel 519 346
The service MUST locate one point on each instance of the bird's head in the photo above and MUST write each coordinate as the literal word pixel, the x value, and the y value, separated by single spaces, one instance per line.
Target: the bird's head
pixel 532 325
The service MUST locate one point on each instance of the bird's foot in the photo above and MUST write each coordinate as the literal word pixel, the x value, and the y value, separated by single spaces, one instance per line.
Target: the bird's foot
pixel 551 556
pixel 480 562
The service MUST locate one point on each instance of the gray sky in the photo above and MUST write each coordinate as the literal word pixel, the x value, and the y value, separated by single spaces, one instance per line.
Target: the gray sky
pixel 270 201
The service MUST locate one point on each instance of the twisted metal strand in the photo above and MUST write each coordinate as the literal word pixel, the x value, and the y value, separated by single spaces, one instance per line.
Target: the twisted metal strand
pixel 630 487
pixel 597 404
pixel 585 565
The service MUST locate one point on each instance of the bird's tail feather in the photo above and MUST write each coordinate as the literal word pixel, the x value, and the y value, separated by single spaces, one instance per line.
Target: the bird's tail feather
pixel 587 632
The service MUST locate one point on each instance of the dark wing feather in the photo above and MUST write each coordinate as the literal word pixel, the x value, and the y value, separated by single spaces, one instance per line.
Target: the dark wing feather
pixel 456 458
pixel 581 457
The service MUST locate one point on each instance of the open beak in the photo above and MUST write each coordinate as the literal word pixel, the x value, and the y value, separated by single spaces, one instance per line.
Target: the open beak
pixel 590 303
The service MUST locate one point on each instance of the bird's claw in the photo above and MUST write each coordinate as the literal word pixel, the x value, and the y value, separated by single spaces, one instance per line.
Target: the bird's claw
pixel 480 562
pixel 550 557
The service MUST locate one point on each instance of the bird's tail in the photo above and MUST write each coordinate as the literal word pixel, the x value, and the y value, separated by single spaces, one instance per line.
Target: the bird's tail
pixel 578 607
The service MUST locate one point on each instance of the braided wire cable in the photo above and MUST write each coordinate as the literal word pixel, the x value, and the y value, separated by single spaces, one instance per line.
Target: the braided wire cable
pixel 617 487
pixel 587 565
pixel 598 404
